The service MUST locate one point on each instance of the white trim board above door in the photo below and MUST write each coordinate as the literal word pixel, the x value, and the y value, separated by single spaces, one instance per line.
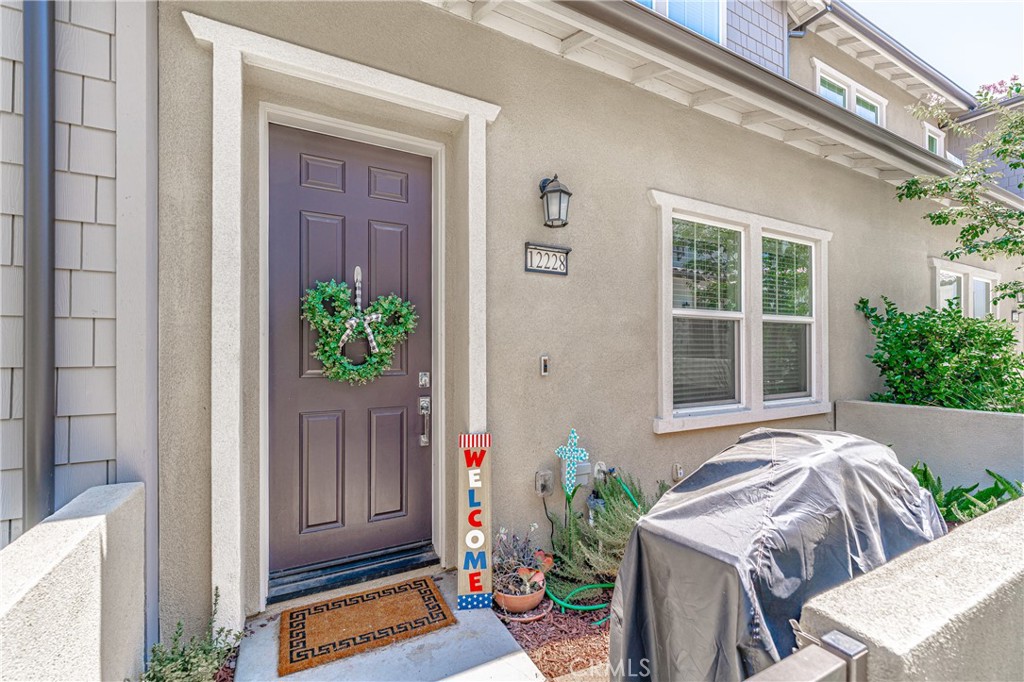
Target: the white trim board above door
pixel 232 48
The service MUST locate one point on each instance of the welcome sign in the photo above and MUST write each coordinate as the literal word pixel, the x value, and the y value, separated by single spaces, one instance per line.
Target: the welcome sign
pixel 474 521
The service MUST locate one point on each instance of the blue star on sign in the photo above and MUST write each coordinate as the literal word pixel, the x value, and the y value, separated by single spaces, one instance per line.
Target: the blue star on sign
pixel 573 455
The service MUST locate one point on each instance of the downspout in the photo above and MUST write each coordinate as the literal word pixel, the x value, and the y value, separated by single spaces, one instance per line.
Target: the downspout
pixel 39 375
pixel 801 30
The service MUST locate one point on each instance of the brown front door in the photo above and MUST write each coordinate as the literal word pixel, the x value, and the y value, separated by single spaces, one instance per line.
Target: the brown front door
pixel 348 474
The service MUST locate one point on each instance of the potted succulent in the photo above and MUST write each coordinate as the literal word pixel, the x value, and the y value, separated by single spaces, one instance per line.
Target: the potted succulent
pixel 519 570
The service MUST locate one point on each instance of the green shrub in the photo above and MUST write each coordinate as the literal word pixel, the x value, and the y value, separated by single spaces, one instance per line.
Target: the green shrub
pixel 962 503
pixel 197 660
pixel 587 554
pixel 941 358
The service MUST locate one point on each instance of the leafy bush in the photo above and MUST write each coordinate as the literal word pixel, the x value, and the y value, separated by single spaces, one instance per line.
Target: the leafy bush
pixel 586 554
pixel 961 503
pixel 197 660
pixel 941 358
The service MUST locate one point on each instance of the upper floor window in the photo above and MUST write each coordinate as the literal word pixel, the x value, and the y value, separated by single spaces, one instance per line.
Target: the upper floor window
pixel 744 332
pixel 706 17
pixel 934 140
pixel 848 94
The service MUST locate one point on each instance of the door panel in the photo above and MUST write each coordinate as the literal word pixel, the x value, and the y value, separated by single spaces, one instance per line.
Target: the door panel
pixel 347 472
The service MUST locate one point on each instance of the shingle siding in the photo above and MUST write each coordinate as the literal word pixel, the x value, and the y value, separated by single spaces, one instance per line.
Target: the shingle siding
pixel 756 30
pixel 84 280
pixel 958 146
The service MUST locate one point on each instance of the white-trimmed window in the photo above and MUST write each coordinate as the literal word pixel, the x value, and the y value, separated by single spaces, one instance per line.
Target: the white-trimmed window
pixel 743 328
pixel 846 93
pixel 935 140
pixel 971 287
pixel 706 17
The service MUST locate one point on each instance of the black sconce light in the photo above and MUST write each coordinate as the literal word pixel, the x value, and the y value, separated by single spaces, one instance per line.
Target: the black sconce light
pixel 555 197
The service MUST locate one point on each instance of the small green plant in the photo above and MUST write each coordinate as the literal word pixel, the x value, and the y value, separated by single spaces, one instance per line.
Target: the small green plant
pixel 961 503
pixel 196 660
pixel 941 358
pixel 588 553
pixel 519 566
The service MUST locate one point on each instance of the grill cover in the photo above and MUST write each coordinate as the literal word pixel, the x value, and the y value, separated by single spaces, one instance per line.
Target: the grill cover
pixel 713 573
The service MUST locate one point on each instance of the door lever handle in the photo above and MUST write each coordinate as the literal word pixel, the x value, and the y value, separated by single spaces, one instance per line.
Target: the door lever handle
pixel 425 411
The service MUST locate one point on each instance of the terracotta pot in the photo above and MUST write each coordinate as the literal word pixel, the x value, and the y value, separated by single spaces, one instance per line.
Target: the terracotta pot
pixel 519 603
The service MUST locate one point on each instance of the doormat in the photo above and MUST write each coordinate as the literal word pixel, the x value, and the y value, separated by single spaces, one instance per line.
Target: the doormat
pixel 319 633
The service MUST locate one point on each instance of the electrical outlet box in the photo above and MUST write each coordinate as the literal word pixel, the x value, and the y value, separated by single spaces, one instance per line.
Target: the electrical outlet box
pixel 545 365
pixel 583 470
pixel 678 473
pixel 600 471
pixel 544 483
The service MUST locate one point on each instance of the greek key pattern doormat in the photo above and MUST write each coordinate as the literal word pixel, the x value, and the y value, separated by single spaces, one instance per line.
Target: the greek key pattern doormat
pixel 319 633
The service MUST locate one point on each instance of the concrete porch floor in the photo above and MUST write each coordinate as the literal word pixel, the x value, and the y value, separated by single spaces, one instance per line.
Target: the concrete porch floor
pixel 477 647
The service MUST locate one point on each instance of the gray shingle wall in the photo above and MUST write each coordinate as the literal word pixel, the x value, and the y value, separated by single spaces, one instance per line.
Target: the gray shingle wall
pixel 756 30
pixel 958 147
pixel 84 280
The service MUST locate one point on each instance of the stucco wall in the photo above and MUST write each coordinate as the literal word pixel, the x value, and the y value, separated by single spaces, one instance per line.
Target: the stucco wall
pixel 949 610
pixel 801 71
pixel 72 596
pixel 958 445
pixel 85 138
pixel 611 143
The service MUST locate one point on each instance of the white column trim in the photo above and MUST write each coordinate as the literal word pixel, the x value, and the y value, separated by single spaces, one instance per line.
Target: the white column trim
pixel 233 46
pixel 136 246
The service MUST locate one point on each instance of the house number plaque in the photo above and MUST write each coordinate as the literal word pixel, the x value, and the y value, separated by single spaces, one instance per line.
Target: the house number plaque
pixel 553 260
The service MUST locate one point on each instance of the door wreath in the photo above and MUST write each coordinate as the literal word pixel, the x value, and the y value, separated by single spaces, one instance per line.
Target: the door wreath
pixel 385 323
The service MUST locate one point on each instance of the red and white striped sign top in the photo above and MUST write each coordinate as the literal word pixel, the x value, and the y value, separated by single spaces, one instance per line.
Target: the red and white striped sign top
pixel 474 440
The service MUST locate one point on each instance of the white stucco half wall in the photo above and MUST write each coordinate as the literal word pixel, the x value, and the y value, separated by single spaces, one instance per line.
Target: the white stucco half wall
pixel 949 610
pixel 72 593
pixel 957 445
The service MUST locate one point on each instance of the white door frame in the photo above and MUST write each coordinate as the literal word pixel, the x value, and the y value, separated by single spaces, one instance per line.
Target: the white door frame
pixel 295 118
pixel 234 47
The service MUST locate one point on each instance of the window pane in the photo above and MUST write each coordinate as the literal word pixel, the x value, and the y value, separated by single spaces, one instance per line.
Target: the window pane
pixel 704 361
pixel 786 360
pixel 646 3
pixel 833 92
pixel 950 287
pixel 866 109
pixel 982 303
pixel 933 144
pixel 699 15
pixel 786 278
pixel 705 266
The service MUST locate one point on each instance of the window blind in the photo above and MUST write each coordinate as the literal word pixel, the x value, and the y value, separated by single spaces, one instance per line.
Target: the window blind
pixel 786 362
pixel 704 361
pixel 705 267
pixel 701 16
pixel 982 303
pixel 786 268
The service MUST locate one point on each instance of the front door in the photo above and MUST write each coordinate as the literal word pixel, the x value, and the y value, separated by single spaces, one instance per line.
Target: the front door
pixel 348 472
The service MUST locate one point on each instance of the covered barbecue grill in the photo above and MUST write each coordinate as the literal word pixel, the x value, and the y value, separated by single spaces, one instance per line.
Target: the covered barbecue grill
pixel 715 571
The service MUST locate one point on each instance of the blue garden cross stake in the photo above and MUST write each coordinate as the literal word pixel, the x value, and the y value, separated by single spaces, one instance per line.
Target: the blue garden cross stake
pixel 572 454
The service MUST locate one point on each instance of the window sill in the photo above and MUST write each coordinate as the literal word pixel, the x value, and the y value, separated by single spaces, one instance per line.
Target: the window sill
pixel 740 415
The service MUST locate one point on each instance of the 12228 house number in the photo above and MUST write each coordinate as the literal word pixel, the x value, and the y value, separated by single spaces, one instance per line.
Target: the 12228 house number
pixel 553 260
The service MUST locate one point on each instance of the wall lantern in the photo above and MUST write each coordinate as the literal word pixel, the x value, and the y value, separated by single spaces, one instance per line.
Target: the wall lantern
pixel 1020 297
pixel 555 197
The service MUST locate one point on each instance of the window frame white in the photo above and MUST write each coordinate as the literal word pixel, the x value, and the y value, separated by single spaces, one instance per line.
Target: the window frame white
pixel 661 7
pixel 968 274
pixel 940 139
pixel 853 91
pixel 751 406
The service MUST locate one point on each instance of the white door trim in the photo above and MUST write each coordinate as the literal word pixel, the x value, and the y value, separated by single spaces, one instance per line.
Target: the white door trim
pixel 232 47
pixel 295 118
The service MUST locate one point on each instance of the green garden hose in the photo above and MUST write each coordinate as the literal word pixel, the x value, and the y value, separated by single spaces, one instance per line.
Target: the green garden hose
pixel 628 492
pixel 579 607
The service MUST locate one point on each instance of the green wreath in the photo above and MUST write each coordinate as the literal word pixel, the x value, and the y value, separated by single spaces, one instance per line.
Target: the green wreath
pixel 329 309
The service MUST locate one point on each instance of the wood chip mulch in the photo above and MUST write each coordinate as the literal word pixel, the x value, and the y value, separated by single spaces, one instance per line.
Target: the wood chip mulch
pixel 564 643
